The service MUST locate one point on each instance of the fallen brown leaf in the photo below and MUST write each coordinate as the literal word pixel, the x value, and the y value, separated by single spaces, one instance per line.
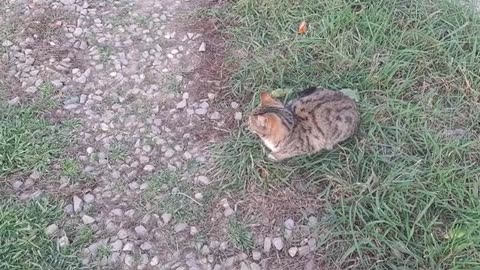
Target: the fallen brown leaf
pixel 302 28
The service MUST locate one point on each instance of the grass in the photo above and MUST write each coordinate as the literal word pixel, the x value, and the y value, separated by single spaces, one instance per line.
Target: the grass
pixel 23 242
pixel 240 236
pixel 118 152
pixel 70 168
pixel 27 140
pixel 402 194
pixel 169 194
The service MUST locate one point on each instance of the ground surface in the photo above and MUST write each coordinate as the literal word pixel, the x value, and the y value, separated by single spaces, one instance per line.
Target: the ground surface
pixel 122 140
pixel 137 86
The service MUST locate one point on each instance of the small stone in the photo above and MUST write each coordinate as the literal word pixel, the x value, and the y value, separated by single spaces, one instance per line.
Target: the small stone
pixel 35 175
pixel 244 266
pixel 17 185
pixel 130 213
pixel 289 224
pixel 193 230
pixel 33 89
pixel 202 47
pixel 147 148
pixel 69 209
pixel 63 241
pixel 312 221
pixel 254 266
pixel 205 250
pixel 146 246
pixel 122 234
pixel 78 32
pixel 7 43
pixel 215 116
pixel 203 179
pixel 28 183
pixel 228 212
pixel 238 116
pixel 141 231
pixel 292 251
pixel 288 234
pixel 154 261
pixel 182 104
pixel 169 153
pixel 277 243
pixel 201 111
pixel 166 217
pixel 51 229
pixel 267 244
pixel 128 246
pixel 180 227
pixel 77 204
pixel 310 265
pixel 88 198
pixel 88 219
pixel 116 246
pixel 148 168
pixel 129 260
pixel 234 105
pixel 185 95
pixel 204 105
pixel 303 250
pixel 312 244
pixel 198 196
pixel 14 101
pixel 116 212
pixel 256 255
pixel 67 2
pixel 90 150
pixel 133 185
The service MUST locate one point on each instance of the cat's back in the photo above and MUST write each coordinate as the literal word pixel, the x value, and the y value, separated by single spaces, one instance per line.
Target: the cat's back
pixel 331 114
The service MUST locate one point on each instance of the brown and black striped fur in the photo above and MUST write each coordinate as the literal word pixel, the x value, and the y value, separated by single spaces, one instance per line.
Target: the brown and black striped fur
pixel 319 119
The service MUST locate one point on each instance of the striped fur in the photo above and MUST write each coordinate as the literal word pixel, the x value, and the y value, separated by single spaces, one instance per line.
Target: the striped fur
pixel 319 119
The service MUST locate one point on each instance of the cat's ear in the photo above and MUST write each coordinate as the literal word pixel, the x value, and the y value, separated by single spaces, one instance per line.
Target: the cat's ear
pixel 267 100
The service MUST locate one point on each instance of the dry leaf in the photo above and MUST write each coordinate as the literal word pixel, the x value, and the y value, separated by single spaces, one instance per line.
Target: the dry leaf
pixel 277 93
pixel 302 28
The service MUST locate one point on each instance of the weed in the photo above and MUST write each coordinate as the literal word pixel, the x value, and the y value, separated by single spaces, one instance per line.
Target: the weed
pixel 103 252
pixel 70 168
pixel 239 235
pixel 105 53
pixel 142 20
pixel 24 244
pixel 118 152
pixel 167 193
pixel 83 236
pixel 173 85
pixel 398 190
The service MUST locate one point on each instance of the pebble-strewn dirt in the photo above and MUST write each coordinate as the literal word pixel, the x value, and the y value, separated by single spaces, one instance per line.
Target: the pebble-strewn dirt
pixel 133 74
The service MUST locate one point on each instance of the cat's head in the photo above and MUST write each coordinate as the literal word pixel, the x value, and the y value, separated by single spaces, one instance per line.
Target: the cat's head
pixel 271 121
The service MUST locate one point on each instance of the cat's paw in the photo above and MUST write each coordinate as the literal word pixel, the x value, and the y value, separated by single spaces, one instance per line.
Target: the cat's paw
pixel 272 157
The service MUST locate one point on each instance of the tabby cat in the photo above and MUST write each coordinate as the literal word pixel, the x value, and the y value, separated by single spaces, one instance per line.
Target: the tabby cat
pixel 318 119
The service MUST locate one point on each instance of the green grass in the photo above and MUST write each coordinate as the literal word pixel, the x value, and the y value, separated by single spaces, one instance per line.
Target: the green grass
pixel 27 140
pixel 118 152
pixel 168 193
pixel 23 242
pixel 70 168
pixel 395 191
pixel 240 236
